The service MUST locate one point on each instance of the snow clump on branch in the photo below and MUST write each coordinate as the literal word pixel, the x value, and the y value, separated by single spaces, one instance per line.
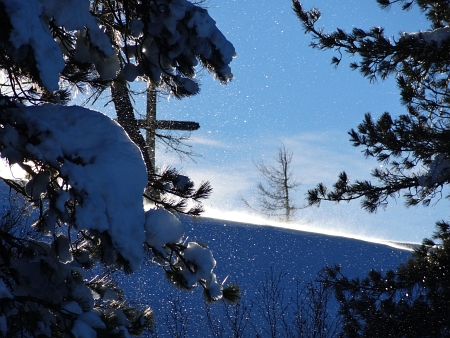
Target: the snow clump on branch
pixel 189 34
pixel 102 170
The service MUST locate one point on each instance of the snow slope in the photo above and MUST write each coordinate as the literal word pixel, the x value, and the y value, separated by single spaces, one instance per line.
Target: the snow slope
pixel 246 252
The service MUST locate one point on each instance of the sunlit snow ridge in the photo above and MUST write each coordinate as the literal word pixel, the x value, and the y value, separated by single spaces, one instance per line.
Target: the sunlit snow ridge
pixel 331 228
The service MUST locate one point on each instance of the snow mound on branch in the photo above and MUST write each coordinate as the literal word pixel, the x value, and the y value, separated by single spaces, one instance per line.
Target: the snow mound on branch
pixel 438 172
pixel 107 68
pixel 162 227
pixel 29 20
pixel 438 35
pixel 204 263
pixel 97 159
pixel 205 40
pixel 29 30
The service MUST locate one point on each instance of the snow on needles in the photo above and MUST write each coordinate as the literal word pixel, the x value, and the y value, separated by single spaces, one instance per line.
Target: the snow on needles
pixel 30 27
pixel 438 35
pixel 29 30
pixel 97 165
pixel 196 38
pixel 162 227
pixel 204 263
pixel 438 172
pixel 101 164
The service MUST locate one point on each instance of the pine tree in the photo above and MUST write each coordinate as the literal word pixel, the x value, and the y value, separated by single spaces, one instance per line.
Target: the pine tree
pixel 414 300
pixel 162 53
pixel 415 140
pixel 84 177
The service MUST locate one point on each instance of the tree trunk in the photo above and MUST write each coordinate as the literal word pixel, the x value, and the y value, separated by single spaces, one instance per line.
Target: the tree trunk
pixel 150 120
pixel 126 118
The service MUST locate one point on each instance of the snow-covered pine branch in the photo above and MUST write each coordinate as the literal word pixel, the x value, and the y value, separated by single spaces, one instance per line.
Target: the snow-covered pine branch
pixel 84 175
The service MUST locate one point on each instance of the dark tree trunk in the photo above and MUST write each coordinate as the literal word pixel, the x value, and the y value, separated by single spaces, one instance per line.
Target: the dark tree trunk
pixel 126 118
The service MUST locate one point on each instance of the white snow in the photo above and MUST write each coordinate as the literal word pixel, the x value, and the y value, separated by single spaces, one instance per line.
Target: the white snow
pixel 206 28
pixel 107 68
pixel 93 319
pixel 214 287
pixel 98 160
pixel 246 252
pixel 4 291
pixel 82 330
pixel 204 264
pixel 75 15
pixel 202 257
pixel 438 172
pixel 162 227
pixel 208 37
pixel 438 35
pixel 71 308
pixel 30 28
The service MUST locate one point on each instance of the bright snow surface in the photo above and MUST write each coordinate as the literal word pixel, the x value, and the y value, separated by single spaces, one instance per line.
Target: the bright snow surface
pixel 245 252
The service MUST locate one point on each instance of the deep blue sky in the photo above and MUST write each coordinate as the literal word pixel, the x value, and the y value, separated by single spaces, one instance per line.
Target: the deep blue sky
pixel 285 91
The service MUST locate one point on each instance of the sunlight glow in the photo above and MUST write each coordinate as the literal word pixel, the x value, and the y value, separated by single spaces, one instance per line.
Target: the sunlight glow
pixel 13 172
pixel 331 228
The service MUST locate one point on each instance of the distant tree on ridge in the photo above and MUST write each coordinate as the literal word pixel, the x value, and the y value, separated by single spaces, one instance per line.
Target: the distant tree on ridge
pixel 274 194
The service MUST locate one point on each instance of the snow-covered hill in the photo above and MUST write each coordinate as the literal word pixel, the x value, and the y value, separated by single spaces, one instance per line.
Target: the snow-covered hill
pixel 246 253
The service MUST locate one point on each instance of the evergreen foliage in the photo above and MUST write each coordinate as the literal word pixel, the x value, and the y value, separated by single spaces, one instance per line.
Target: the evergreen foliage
pixel 413 301
pixel 413 147
pixel 83 177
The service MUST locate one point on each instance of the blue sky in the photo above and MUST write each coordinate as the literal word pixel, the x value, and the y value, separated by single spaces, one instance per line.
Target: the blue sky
pixel 285 91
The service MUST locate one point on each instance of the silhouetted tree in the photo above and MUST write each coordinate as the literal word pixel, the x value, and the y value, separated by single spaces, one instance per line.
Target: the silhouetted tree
pixel 274 194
